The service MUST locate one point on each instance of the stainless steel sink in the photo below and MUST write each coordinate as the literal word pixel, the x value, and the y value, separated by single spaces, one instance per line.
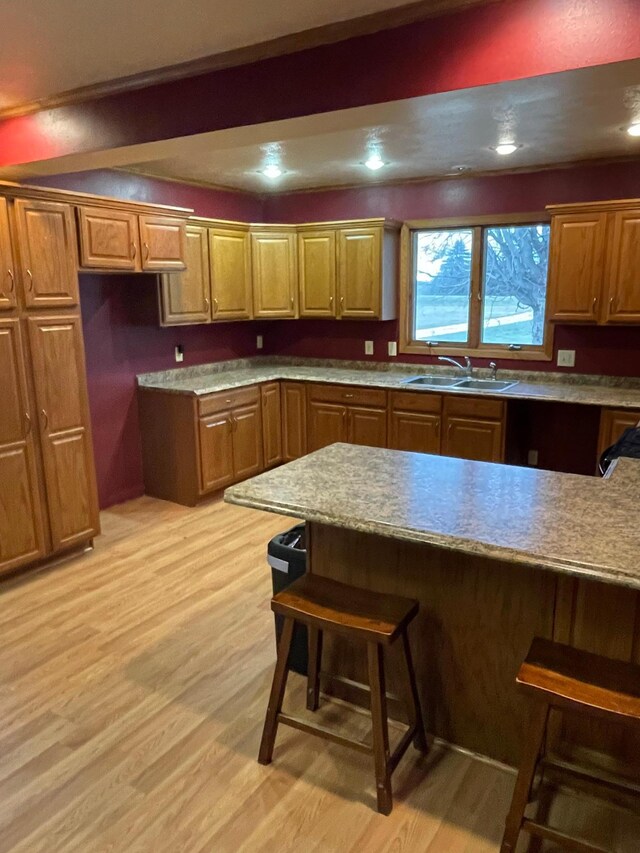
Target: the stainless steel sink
pixel 486 384
pixel 435 381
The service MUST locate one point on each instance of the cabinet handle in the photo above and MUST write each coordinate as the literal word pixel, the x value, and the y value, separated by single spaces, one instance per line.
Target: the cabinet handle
pixel 206 304
pixel 341 301
pixel 30 285
pixel 235 422
pixel 44 414
pixel 27 418
pixel 134 251
pixel 292 301
pixel 331 302
pixel 147 251
pixel 612 303
pixel 12 280
pixel 228 402
pixel 348 396
pixel 595 302
pixel 215 305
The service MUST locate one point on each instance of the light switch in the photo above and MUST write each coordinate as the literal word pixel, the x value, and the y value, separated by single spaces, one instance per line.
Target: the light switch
pixel 392 348
pixel 259 342
pixel 368 347
pixel 179 352
pixel 566 358
pixel 532 458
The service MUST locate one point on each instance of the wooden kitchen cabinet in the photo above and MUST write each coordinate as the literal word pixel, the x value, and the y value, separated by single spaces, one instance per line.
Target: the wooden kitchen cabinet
pixel 7 271
pixel 294 420
pixel 162 240
pixel 271 424
pixel 108 238
pixel 342 413
pixel 613 422
pixel 317 272
pixel 216 451
pixel 622 277
pixel 186 297
pixel 230 272
pixel 274 272
pixel 247 440
pixel 473 428
pixel 22 535
pixel 327 424
pixel 415 421
pixel 64 426
pixel 367 260
pixel 367 426
pixel 48 262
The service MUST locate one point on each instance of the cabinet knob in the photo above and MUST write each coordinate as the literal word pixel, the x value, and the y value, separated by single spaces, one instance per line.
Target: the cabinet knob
pixel 12 281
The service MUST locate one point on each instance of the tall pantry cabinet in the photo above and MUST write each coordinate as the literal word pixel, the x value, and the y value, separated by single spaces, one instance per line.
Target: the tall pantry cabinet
pixel 48 499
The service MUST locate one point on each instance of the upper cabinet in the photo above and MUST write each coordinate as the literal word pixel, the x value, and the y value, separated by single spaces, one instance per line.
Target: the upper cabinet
pixel 7 273
pixel 594 263
pixel 275 284
pixel 185 297
pixel 360 272
pixel 119 239
pixel 48 264
pixel 230 266
pixel 317 274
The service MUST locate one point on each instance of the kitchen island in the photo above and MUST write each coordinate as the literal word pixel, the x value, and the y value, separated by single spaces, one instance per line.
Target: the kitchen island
pixel 495 555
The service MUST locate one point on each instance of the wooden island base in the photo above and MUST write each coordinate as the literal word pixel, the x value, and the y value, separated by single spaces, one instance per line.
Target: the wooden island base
pixel 477 619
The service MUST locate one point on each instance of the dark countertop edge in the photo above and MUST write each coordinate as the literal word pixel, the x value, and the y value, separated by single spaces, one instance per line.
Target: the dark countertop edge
pixel 473 547
pixel 512 393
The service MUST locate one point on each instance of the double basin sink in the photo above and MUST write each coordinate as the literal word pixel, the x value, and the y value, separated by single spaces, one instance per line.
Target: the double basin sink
pixel 468 382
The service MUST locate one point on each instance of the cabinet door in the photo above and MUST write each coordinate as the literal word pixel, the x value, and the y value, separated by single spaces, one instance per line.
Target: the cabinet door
pixel 471 438
pixel 48 264
pixel 230 264
pixel 184 296
pixel 273 259
pixel 613 422
pixel 623 269
pixel 59 378
pixel 317 273
pixel 108 239
pixel 21 525
pixel 367 426
pixel 271 424
pixel 327 423
pixel 7 273
pixel 247 441
pixel 576 266
pixel 163 242
pixel 216 451
pixel 415 431
pixel 294 421
pixel 359 272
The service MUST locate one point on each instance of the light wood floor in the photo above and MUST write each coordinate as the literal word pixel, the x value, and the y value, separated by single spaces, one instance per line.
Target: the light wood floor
pixel 133 684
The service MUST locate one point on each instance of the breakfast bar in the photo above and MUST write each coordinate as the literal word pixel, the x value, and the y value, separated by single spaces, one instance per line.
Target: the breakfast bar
pixel 495 554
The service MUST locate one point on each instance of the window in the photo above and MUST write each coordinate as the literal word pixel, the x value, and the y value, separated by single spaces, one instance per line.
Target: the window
pixel 479 288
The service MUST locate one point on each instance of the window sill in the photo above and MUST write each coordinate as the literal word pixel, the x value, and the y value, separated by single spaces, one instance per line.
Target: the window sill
pixel 502 353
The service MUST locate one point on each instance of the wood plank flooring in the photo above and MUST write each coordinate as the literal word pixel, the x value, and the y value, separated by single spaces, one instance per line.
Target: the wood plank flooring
pixel 133 684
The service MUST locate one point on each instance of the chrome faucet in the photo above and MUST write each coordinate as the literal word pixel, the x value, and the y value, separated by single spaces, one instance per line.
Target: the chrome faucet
pixel 494 369
pixel 468 367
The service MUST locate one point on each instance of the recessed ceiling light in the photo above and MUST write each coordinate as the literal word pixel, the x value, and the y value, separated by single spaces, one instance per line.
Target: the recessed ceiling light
pixel 506 148
pixel 634 129
pixel 374 162
pixel 458 170
pixel 272 171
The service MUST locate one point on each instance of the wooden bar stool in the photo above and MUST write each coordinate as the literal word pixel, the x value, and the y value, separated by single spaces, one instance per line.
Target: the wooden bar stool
pixel 375 619
pixel 567 679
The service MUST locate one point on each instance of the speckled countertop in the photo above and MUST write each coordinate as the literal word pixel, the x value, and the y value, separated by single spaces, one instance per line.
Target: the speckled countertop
pixel 557 387
pixel 577 525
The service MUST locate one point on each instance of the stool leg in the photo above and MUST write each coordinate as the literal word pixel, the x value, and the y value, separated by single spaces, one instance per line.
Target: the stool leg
pixel 315 663
pixel 417 720
pixel 277 694
pixel 380 730
pixel 526 774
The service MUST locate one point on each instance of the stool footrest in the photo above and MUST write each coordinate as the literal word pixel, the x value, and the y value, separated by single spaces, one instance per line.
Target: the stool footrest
pixel 402 747
pixel 600 778
pixel 541 830
pixel 321 731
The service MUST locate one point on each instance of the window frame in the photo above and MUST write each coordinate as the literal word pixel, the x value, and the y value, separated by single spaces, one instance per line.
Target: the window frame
pixel 475 347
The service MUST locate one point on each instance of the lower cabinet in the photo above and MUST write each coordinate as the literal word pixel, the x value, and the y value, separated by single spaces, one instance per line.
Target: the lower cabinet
pixel 613 422
pixel 415 421
pixel 216 451
pixel 354 415
pixel 271 424
pixel 294 420
pixel 473 428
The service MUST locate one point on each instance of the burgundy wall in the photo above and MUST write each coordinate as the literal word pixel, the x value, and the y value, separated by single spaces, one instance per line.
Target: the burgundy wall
pixel 614 351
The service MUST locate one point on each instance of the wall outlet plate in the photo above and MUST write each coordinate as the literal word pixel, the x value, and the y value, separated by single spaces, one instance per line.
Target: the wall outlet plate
pixel 532 458
pixel 368 347
pixel 179 352
pixel 392 348
pixel 259 342
pixel 566 358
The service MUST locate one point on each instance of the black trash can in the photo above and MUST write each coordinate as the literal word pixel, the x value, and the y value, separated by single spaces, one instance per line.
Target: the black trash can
pixel 287 556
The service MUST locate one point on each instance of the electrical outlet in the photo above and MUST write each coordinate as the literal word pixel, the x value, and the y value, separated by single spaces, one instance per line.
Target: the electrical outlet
pixel 259 342
pixel 566 358
pixel 368 347
pixel 532 458
pixel 392 348
pixel 179 352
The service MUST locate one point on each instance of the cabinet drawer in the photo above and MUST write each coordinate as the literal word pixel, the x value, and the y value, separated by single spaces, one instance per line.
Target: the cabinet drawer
pixel 222 400
pixel 349 396
pixel 477 407
pixel 416 401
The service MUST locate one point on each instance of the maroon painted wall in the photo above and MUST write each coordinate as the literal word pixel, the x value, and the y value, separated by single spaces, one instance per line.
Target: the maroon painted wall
pixel 614 351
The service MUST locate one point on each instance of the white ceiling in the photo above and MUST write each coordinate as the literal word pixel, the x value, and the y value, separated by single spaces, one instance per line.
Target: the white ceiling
pixel 559 118
pixel 52 46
